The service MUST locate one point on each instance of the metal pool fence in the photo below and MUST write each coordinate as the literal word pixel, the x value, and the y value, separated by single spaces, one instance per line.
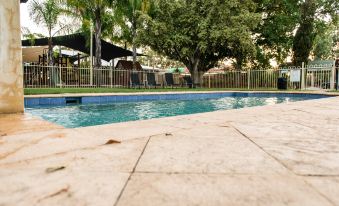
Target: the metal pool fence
pixel 36 76
pixel 297 78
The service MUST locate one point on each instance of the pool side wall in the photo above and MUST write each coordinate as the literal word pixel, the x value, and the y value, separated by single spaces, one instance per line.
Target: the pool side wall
pixel 106 99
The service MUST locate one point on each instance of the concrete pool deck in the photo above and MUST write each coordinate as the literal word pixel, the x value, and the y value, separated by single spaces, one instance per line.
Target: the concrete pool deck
pixel 285 154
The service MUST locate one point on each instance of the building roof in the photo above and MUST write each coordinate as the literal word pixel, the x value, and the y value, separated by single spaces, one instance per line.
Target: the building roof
pixel 79 42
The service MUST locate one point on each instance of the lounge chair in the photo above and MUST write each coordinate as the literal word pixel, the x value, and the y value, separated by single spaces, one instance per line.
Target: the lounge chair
pixel 188 81
pixel 135 80
pixel 151 80
pixel 170 80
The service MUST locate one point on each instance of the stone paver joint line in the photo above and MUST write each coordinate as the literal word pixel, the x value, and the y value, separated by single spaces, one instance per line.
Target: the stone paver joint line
pixel 319 192
pixel 261 148
pixel 282 163
pixel 133 171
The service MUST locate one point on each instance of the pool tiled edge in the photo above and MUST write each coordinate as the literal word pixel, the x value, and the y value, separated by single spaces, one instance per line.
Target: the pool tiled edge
pixel 61 100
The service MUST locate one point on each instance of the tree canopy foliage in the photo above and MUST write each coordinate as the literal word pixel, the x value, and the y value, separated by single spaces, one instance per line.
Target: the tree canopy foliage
pixel 132 12
pixel 201 32
pixel 312 13
pixel 324 46
pixel 275 33
pixel 96 11
pixel 46 13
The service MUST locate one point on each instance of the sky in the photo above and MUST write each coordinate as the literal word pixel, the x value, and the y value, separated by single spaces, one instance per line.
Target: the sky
pixel 27 22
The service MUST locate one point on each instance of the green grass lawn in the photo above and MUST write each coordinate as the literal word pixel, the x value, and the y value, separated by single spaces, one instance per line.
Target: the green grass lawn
pixel 118 90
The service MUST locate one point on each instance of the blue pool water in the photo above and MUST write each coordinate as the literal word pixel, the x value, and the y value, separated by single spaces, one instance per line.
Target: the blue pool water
pixel 82 115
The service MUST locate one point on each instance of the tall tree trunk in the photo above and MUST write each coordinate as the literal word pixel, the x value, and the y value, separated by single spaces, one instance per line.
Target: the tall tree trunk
pixel 238 67
pixel 193 67
pixel 50 60
pixel 134 34
pixel 97 62
pixel 50 53
pixel 126 49
pixel 239 62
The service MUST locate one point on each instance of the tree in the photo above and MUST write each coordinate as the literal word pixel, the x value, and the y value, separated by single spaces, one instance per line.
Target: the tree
pixel 324 42
pixel 200 32
pixel 290 27
pixel 303 40
pixel 133 12
pixel 46 13
pixel 275 32
pixel 96 11
pixel 152 58
pixel 312 12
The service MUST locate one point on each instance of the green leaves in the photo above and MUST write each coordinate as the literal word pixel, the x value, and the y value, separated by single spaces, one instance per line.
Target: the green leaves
pixel 325 42
pixel 202 30
pixel 45 13
pixel 275 32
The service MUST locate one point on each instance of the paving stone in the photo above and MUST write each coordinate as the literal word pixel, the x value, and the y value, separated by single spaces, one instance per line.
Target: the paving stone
pixel 12 124
pixel 328 186
pixel 283 154
pixel 206 150
pixel 119 157
pixel 64 187
pixel 203 189
pixel 16 148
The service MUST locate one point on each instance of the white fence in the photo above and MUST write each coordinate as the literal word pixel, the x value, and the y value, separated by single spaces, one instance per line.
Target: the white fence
pixel 36 76
pixel 311 77
pixel 315 77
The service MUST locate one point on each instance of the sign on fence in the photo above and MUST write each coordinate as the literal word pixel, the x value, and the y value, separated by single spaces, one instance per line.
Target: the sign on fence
pixel 295 75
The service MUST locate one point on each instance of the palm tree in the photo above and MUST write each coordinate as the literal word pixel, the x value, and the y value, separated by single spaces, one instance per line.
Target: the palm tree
pixel 46 13
pixel 132 10
pixel 92 10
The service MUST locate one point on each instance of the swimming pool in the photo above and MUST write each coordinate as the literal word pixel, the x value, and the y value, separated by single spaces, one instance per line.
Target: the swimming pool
pixel 141 107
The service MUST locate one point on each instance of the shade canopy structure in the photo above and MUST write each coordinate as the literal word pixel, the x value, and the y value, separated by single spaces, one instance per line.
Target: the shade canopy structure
pixel 31 54
pixel 80 43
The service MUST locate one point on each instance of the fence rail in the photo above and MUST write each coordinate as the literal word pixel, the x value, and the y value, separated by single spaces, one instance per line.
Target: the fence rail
pixel 312 77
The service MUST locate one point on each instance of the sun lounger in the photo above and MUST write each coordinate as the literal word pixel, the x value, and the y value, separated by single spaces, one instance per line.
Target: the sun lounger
pixel 135 80
pixel 188 81
pixel 151 82
pixel 170 80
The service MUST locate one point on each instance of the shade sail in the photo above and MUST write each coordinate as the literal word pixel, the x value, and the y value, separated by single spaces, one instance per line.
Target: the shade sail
pixel 31 54
pixel 79 42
